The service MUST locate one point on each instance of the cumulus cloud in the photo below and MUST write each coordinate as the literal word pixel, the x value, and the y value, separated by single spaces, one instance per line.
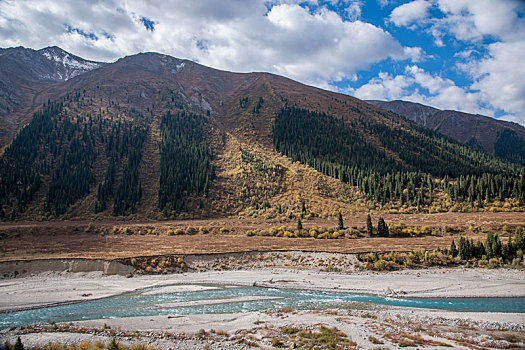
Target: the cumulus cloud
pixel 383 3
pixel 472 20
pixel 384 87
pixel 498 75
pixel 353 9
pixel 495 34
pixel 410 12
pixel 417 85
pixel 501 76
pixel 309 43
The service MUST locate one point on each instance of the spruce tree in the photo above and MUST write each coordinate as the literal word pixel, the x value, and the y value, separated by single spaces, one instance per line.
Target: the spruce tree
pixel 18 344
pixel 299 224
pixel 340 222
pixel 489 244
pixel 508 249
pixel 369 227
pixel 382 228
pixel 520 241
pixel 463 250
pixel 453 250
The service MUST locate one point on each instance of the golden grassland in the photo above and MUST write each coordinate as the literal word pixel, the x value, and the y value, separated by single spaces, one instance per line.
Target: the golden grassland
pixel 120 239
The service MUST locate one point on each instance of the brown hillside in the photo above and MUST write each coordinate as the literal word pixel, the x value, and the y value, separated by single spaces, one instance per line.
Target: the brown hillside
pixel 472 129
pixel 240 109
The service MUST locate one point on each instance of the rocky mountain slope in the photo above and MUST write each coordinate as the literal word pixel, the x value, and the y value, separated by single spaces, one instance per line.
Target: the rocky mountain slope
pixel 26 72
pixel 497 137
pixel 153 136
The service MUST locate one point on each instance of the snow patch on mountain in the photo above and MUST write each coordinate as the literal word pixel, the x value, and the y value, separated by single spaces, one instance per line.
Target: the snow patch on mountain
pixel 67 66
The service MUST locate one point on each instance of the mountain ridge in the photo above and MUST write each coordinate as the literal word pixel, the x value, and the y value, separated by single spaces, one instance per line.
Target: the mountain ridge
pixel 497 137
pixel 24 74
pixel 101 144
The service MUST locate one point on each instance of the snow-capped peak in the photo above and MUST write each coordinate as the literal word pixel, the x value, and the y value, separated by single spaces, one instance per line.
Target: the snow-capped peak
pixel 67 66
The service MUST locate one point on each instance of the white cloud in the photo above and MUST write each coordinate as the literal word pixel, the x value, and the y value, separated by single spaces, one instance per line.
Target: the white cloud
pixel 471 20
pixel 353 9
pixel 384 87
pixel 417 85
pixel 414 53
pixel 383 3
pixel 410 12
pixel 495 69
pixel 498 75
pixel 501 76
pixel 315 46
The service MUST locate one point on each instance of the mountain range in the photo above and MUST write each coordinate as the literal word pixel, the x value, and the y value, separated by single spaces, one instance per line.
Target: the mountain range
pixel 498 137
pixel 153 136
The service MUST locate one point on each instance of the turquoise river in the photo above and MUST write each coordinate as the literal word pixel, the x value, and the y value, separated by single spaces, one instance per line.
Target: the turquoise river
pixel 229 299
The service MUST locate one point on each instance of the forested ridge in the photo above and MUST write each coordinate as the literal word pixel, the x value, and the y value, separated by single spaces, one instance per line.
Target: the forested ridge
pixel 23 160
pixel 148 137
pixel 185 160
pixel 90 144
pixel 59 148
pixel 336 148
pixel 129 190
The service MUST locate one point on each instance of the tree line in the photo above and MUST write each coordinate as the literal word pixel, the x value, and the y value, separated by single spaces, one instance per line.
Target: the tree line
pixel 490 249
pixel 336 148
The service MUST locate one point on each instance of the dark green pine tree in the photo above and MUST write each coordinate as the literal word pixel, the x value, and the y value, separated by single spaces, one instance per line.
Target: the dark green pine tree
pixel 463 249
pixel 453 249
pixel 299 224
pixel 382 228
pixel 340 222
pixel 18 344
pixel 369 226
pixel 520 240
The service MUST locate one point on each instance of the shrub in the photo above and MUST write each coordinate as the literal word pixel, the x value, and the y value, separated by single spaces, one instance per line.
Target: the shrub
pixel 374 340
pixel 493 263
pixel 276 342
pixel 288 234
pixel 90 227
pixel 273 231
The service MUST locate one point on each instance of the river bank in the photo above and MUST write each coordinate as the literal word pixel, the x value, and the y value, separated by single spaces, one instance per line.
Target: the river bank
pixel 362 322
pixel 65 287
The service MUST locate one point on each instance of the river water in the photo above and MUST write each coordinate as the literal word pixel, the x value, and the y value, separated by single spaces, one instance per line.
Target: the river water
pixel 206 299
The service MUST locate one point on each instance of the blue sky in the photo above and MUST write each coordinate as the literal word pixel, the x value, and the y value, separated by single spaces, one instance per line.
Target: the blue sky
pixel 464 55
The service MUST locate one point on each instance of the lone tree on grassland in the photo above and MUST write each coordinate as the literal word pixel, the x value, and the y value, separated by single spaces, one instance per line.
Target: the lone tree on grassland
pixel 382 228
pixel 340 222
pixel 369 227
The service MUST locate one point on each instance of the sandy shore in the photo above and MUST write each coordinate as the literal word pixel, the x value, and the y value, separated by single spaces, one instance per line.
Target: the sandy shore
pixel 360 324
